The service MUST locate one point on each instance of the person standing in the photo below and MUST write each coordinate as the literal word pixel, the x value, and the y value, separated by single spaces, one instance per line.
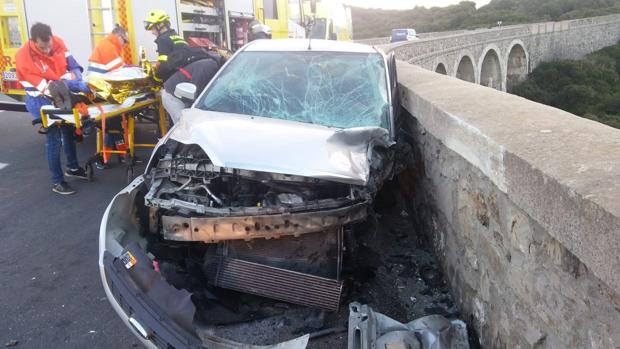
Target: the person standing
pixel 108 54
pixel 166 38
pixel 44 59
pixel 177 62
pixel 107 57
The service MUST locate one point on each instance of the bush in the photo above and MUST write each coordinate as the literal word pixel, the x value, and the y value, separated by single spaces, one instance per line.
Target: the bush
pixel 589 87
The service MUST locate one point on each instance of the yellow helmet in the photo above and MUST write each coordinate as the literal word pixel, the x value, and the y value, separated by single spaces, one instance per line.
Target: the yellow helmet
pixel 154 17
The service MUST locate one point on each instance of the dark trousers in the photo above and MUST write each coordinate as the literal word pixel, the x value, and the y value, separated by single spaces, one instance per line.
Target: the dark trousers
pixel 57 137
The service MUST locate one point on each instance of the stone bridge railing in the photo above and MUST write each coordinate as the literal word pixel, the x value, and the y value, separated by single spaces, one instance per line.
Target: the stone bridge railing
pixel 522 204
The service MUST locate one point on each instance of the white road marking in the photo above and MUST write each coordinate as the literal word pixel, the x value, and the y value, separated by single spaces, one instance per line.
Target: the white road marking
pixel 3 165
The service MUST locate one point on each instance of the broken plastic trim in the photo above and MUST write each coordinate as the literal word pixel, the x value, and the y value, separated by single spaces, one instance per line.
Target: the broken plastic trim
pixel 165 312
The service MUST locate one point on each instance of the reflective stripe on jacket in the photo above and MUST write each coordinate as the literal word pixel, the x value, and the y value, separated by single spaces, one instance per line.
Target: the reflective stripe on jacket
pixel 166 43
pixel 35 69
pixel 107 56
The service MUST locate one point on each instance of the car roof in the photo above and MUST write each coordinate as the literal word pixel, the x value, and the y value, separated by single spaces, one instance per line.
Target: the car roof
pixel 302 45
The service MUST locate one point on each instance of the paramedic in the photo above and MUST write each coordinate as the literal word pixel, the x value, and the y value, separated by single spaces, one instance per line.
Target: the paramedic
pixel 107 55
pixel 107 58
pixel 44 59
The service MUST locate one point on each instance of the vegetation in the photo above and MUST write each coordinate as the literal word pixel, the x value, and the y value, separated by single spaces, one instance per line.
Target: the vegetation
pixel 372 23
pixel 588 87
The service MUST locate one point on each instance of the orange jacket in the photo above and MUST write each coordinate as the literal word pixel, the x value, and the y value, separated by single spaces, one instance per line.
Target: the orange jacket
pixel 106 56
pixel 36 69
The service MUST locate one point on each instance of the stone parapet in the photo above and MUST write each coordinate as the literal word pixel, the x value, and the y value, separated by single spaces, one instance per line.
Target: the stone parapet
pixel 522 204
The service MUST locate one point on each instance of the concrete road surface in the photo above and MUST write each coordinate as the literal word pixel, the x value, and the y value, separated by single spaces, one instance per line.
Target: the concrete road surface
pixel 50 291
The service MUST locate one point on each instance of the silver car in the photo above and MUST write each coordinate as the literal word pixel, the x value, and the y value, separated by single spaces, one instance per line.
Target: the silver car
pixel 251 194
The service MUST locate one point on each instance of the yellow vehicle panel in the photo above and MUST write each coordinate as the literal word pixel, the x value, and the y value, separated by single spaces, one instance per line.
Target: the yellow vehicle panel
pixel 13 34
pixel 273 13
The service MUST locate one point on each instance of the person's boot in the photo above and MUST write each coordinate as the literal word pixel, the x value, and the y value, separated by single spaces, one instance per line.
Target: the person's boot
pixel 60 94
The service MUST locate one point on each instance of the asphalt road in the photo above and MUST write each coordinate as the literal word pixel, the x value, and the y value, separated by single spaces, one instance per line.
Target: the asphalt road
pixel 50 291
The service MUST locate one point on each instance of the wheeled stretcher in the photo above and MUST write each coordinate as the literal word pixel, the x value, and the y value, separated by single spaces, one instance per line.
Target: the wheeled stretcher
pixel 144 107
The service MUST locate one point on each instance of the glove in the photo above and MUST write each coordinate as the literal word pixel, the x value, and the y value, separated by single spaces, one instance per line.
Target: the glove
pixel 77 86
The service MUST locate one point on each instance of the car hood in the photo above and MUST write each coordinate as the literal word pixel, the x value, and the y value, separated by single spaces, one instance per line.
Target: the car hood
pixel 281 146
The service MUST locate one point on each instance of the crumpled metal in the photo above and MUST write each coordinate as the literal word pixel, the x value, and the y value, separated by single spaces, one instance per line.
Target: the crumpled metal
pixel 371 330
pixel 115 87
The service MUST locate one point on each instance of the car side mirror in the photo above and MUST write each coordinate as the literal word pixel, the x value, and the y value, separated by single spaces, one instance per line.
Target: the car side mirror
pixel 185 91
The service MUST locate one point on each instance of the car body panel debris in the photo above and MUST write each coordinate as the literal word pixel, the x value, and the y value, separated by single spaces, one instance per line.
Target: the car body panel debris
pixel 371 330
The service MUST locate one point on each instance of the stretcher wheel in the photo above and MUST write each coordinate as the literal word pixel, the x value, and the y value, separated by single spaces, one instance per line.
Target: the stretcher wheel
pixel 90 173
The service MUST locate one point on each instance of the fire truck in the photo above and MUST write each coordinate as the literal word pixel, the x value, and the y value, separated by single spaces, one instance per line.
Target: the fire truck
pixel 224 23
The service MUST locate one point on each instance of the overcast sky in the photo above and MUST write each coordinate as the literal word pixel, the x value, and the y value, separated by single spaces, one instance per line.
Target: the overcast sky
pixel 406 4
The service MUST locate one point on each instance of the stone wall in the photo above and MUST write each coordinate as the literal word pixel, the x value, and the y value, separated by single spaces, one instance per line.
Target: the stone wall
pixel 522 204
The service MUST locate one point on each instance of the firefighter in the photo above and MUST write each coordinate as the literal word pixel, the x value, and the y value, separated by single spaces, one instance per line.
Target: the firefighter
pixel 107 55
pixel 41 63
pixel 198 73
pixel 177 62
pixel 106 58
pixel 167 39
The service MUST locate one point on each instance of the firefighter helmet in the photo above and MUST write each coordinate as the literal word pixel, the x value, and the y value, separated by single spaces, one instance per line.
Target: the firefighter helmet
pixel 155 17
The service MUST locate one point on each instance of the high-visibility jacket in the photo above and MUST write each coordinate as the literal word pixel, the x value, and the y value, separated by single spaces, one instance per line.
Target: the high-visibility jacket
pixel 107 56
pixel 35 69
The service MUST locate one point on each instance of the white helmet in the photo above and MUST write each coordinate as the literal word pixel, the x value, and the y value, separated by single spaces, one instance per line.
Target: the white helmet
pixel 260 31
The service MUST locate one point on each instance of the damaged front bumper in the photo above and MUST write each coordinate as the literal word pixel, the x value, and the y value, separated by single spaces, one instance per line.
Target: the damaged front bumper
pixel 216 229
pixel 160 315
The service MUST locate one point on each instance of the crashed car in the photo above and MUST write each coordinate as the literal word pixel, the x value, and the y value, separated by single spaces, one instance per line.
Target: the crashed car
pixel 251 192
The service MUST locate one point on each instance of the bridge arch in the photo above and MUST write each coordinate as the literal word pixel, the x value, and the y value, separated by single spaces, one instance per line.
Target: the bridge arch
pixel 517 64
pixel 441 69
pixel 464 68
pixel 490 68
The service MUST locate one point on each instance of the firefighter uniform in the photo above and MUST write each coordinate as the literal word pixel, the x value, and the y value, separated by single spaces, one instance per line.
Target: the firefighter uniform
pixel 166 43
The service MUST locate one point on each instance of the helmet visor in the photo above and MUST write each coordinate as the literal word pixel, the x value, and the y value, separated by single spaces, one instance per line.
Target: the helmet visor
pixel 148 25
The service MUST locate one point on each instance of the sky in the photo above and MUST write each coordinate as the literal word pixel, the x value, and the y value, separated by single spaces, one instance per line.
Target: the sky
pixel 407 4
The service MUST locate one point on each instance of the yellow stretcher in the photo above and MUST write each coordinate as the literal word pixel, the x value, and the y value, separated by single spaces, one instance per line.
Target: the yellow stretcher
pixel 97 113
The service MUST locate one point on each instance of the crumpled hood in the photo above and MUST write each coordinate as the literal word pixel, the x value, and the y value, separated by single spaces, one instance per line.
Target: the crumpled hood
pixel 281 146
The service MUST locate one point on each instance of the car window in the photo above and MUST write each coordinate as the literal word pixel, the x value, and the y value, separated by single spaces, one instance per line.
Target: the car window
pixel 400 34
pixel 333 89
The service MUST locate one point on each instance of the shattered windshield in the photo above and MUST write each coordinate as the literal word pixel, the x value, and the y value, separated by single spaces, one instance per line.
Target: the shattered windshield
pixel 333 89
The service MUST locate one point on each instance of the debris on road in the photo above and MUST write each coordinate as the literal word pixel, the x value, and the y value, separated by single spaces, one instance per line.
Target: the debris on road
pixel 11 343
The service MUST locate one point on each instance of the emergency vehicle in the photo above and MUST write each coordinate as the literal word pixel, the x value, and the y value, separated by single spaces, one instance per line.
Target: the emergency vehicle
pixel 225 23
